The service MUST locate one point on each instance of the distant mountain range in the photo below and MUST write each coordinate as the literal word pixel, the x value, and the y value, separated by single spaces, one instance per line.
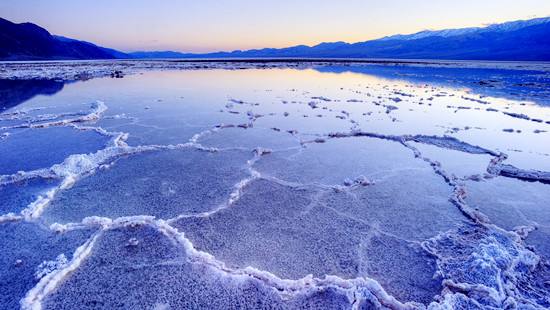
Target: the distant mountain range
pixel 518 40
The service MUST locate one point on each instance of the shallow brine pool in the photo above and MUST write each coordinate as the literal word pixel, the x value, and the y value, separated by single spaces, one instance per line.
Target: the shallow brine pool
pixel 316 186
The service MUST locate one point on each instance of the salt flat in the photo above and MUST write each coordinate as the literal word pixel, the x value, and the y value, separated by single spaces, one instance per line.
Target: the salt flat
pixel 294 184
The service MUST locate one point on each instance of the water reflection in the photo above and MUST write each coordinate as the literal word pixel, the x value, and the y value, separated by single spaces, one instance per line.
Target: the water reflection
pixel 15 92
pixel 160 107
pixel 525 85
pixel 356 169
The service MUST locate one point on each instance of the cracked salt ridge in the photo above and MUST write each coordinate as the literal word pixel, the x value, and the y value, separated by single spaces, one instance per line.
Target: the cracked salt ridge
pixel 43 148
pixel 180 181
pixel 296 234
pixel 34 126
pixel 496 167
pixel 17 196
pixel 169 123
pixel 524 117
pixel 135 236
pixel 489 265
pixel 142 134
pixel 502 279
pixel 197 269
pixel 451 143
pixel 21 114
pixel 97 108
pixel 456 290
pixel 506 286
pixel 25 246
pixel 169 194
pixel 462 165
pixel 516 206
pixel 10 217
pixel 345 167
pixel 522 174
pixel 459 194
pixel 76 166
pixel 260 222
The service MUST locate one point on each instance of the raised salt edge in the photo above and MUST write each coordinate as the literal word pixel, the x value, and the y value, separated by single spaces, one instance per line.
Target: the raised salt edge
pixel 285 287
pixel 77 166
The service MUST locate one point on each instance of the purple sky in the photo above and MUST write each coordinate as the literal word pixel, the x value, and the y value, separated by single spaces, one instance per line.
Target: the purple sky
pixel 210 25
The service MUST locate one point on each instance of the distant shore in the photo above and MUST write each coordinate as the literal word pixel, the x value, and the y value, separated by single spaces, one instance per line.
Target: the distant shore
pixel 71 70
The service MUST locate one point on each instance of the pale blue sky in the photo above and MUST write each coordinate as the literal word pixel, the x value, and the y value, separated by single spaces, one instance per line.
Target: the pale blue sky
pixel 209 25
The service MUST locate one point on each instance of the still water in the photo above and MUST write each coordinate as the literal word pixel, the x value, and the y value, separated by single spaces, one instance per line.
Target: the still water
pixel 323 187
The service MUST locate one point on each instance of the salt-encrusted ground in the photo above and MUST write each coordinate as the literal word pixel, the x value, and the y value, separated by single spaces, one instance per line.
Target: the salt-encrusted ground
pixel 279 185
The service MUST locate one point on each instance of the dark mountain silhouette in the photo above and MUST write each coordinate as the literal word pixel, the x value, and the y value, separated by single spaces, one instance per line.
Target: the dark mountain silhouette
pixel 28 41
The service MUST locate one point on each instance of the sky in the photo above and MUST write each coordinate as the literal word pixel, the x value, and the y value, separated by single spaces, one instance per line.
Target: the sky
pixel 210 25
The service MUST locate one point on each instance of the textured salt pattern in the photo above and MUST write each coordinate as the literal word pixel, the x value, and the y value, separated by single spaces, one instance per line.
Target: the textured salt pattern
pixel 515 206
pixel 330 233
pixel 174 182
pixel 231 189
pixel 163 273
pixel 25 247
